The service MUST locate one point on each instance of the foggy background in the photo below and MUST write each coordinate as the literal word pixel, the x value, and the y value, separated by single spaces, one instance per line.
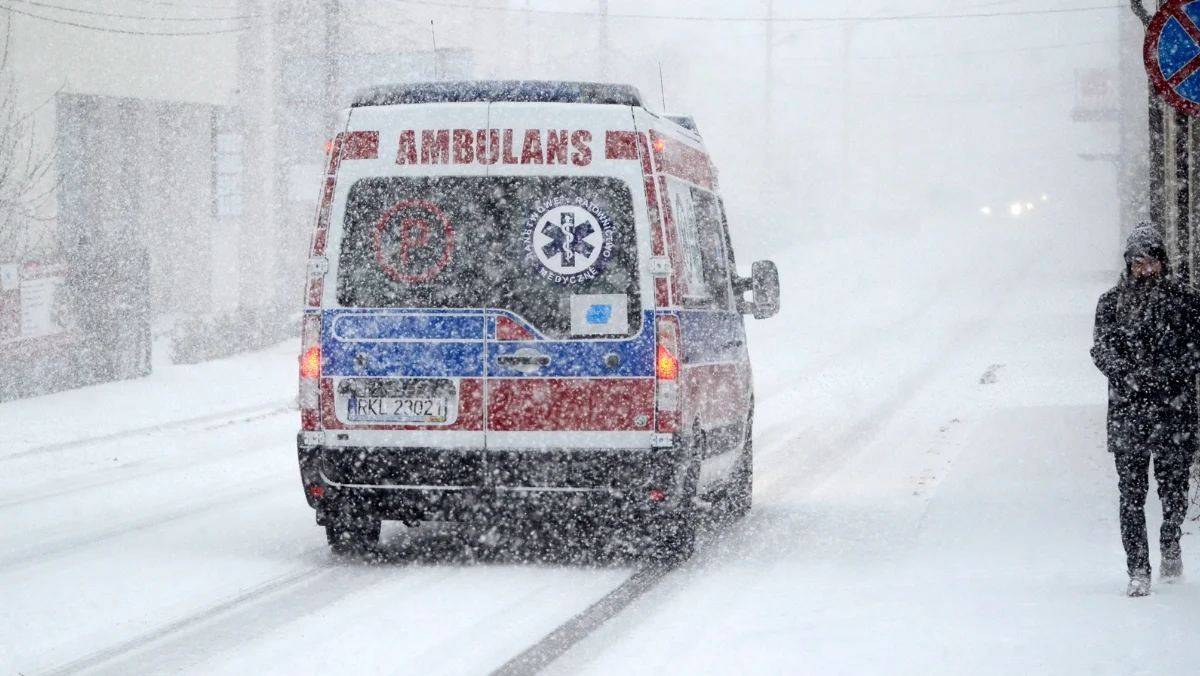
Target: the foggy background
pixel 186 138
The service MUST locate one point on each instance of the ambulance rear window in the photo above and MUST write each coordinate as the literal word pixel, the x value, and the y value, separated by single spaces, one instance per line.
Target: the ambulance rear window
pixel 535 246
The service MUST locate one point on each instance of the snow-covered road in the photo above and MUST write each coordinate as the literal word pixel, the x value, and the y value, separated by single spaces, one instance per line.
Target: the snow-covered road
pixel 909 518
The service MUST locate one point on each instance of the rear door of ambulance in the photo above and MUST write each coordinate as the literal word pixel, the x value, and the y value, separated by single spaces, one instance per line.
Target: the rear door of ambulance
pixel 570 335
pixel 403 331
pixel 714 379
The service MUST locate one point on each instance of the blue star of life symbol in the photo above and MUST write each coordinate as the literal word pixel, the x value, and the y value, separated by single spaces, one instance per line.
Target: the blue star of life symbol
pixel 568 239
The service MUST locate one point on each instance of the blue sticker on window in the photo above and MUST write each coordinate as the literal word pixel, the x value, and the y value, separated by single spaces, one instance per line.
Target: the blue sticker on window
pixel 599 314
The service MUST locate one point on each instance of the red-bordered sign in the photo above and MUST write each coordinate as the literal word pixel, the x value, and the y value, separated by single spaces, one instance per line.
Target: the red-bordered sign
pixel 1172 54
pixel 415 233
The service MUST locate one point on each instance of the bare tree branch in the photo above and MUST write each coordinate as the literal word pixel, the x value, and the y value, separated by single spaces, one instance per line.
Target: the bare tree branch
pixel 27 182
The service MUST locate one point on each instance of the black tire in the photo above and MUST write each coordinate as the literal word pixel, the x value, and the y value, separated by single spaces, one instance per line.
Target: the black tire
pixel 677 535
pixel 672 534
pixel 353 536
pixel 740 496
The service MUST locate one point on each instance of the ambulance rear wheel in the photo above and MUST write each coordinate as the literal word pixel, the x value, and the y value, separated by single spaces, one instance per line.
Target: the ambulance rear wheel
pixel 675 536
pixel 672 534
pixel 353 536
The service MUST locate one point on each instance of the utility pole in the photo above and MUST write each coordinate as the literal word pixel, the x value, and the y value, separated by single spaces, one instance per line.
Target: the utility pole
pixel 847 64
pixel 333 15
pixel 605 76
pixel 1133 158
pixel 528 39
pixel 768 112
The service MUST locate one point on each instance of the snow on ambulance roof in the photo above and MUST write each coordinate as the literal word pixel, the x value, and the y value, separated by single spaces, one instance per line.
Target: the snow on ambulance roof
pixel 515 91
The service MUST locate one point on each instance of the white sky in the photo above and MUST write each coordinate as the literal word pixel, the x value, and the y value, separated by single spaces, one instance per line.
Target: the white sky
pixel 973 108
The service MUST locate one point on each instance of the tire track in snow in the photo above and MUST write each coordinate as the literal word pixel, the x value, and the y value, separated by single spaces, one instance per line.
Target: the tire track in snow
pixel 541 654
pixel 251 596
pixel 833 455
pixel 68 544
pixel 217 629
pixel 249 414
pixel 97 483
pixel 871 337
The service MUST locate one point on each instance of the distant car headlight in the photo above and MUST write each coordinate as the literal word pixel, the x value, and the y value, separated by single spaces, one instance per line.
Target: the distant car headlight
pixel 1016 209
pixel 986 211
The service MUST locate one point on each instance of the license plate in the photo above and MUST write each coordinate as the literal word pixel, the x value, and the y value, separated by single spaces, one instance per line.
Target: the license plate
pixel 426 410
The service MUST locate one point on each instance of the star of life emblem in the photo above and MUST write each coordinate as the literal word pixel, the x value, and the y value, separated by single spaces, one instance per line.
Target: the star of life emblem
pixel 570 238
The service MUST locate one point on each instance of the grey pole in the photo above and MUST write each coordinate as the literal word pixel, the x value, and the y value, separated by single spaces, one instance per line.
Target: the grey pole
pixel 1181 135
pixel 333 12
pixel 1158 132
pixel 768 104
pixel 605 76
pixel 1157 128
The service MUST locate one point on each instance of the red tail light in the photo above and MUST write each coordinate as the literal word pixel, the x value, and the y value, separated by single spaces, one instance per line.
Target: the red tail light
pixel 666 368
pixel 310 372
pixel 310 363
pixel 667 365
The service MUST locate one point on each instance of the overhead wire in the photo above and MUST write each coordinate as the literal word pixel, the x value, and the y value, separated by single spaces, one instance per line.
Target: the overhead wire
pixel 135 17
pixel 777 20
pixel 126 31
pixel 187 5
pixel 945 55
pixel 1048 92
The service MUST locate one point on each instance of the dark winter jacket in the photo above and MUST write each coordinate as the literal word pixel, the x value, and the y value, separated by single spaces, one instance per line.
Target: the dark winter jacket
pixel 1147 343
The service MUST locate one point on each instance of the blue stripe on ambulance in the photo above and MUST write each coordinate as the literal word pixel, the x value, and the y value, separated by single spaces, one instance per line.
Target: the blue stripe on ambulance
pixel 416 344
pixel 449 344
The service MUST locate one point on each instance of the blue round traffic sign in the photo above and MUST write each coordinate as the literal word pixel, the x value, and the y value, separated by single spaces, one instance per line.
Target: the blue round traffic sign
pixel 1172 54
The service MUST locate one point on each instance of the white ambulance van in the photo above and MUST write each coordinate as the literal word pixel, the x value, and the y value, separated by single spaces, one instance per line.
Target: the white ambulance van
pixel 522 299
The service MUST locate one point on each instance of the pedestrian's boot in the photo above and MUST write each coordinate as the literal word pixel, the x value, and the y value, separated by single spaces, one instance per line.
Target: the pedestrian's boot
pixel 1172 568
pixel 1139 584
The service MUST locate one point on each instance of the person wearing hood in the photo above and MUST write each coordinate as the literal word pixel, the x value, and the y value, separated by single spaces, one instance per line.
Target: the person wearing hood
pixel 1147 343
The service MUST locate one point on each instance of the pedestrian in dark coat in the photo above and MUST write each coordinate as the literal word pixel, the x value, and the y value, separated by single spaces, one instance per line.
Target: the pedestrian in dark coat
pixel 1147 343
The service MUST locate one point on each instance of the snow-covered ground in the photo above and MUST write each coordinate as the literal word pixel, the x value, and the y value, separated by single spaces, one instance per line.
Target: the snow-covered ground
pixel 932 497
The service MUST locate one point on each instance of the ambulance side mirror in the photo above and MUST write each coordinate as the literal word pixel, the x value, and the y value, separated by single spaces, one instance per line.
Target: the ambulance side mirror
pixel 764 282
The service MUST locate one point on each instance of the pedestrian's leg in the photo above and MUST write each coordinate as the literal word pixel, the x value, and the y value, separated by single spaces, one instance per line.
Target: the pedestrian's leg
pixel 1133 472
pixel 1171 471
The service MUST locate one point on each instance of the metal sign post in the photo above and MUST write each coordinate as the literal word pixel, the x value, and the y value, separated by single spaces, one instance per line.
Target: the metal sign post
pixel 1172 56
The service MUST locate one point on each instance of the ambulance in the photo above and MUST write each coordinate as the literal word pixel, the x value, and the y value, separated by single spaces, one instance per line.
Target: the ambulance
pixel 522 301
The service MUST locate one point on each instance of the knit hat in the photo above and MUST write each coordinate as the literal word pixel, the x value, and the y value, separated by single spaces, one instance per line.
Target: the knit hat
pixel 1145 242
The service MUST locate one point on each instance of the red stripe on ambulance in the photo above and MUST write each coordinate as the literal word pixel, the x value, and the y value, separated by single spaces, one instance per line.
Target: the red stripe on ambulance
pixel 620 145
pixel 681 161
pixel 570 404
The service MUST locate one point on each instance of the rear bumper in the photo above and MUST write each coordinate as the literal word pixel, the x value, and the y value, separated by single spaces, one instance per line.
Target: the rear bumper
pixel 458 485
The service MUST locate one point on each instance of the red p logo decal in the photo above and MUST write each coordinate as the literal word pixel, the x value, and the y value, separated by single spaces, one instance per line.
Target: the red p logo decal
pixel 414 234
